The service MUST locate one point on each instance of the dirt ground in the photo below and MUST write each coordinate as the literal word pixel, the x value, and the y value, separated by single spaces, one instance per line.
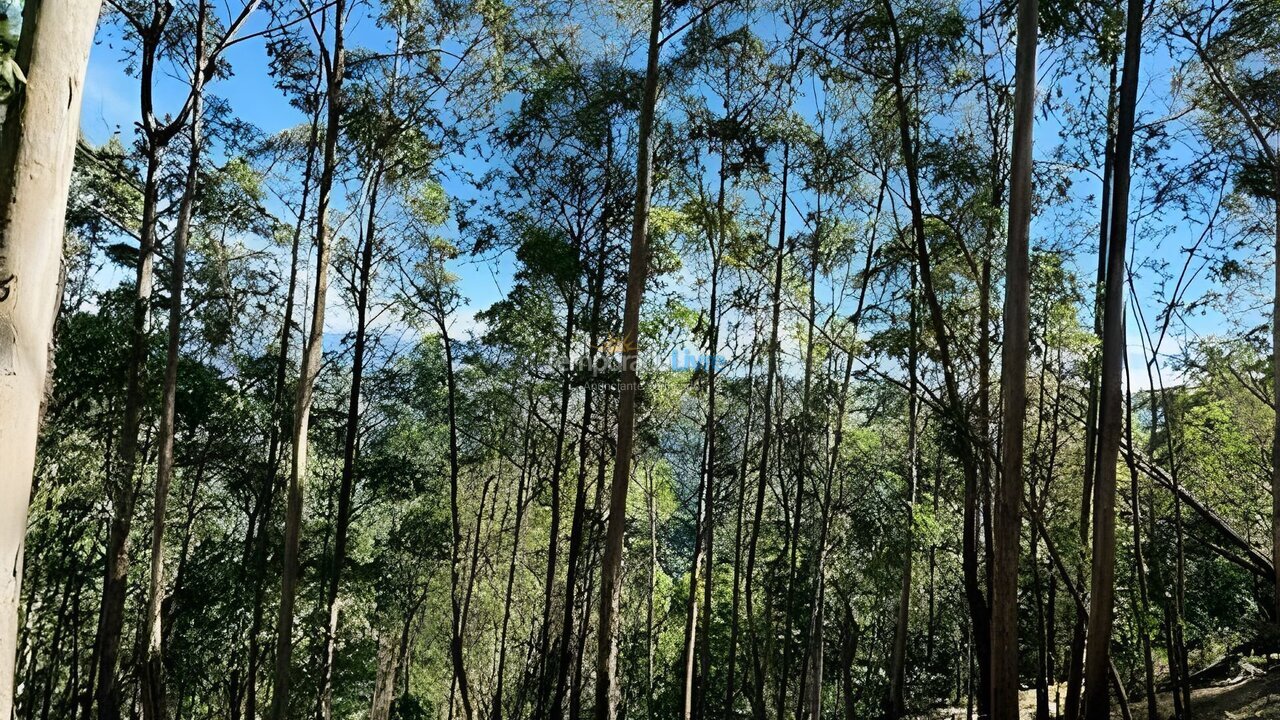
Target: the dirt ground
pixel 1245 698
pixel 1252 698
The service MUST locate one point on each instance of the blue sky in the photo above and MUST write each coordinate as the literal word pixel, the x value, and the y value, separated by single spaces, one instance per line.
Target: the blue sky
pixel 110 106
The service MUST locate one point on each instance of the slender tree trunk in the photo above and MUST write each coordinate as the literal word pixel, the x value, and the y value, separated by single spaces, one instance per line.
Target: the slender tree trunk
pixel 848 655
pixel 653 577
pixel 568 655
pixel 1056 558
pixel 1161 412
pixel 1013 379
pixel 156 138
pixel 1142 606
pixel 1275 386
pixel 691 603
pixel 154 704
pixel 457 639
pixel 730 695
pixel 500 674
pixel 546 653
pixel 805 445
pixel 898 659
pixel 279 424
pixel 37 150
pixel 703 680
pixel 334 62
pixel 123 494
pixel 608 692
pixel 817 616
pixel 766 443
pixel 1097 699
pixel 956 417
pixel 352 430
pixel 1075 666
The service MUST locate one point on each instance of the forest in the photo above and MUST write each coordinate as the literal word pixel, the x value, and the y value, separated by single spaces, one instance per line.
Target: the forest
pixel 639 359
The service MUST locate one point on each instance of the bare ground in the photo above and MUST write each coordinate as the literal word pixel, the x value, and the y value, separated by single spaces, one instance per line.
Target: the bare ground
pixel 1244 697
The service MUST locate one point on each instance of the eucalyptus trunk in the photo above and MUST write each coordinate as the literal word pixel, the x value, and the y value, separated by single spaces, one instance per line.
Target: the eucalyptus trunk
pixel 154 704
pixel 1097 699
pixel 334 59
pixel 1013 379
pixel 608 692
pixel 37 150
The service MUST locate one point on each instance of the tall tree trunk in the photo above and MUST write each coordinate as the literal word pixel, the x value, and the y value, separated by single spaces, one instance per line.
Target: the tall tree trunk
pixel 154 704
pixel 1097 699
pixel 546 653
pixel 152 26
pixel 37 150
pixel 1275 385
pixel 608 692
pixel 1013 379
pixel 123 494
pixel 730 694
pixel 1142 606
pixel 804 445
pixel 1075 662
pixel 817 614
pixel 568 655
pixel 898 658
pixel 458 628
pixel 955 414
pixel 500 673
pixel 709 464
pixel 279 425
pixel 350 433
pixel 766 445
pixel 334 59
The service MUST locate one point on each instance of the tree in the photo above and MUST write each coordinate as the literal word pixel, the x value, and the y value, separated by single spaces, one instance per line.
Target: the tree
pixel 1013 379
pixel 155 705
pixel 608 692
pixel 333 65
pixel 39 137
pixel 1227 58
pixel 1097 698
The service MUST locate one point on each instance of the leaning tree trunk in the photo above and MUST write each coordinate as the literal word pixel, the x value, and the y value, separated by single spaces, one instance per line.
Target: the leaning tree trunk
pixel 608 693
pixel 37 150
pixel 307 372
pixel 1013 380
pixel 1097 699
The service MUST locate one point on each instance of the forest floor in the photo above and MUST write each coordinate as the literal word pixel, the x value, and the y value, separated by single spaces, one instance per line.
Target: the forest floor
pixel 1244 696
